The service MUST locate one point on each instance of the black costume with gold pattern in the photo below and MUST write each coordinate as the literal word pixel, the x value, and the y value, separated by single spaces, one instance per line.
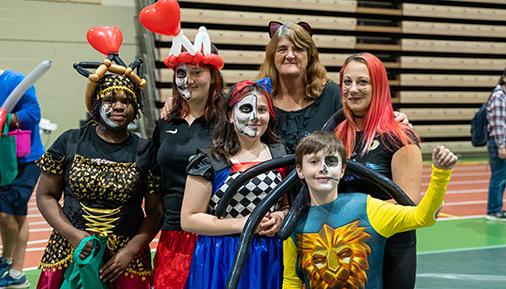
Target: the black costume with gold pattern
pixel 104 186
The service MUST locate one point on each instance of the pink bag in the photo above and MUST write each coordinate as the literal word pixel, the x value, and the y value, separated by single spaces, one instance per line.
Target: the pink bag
pixel 23 141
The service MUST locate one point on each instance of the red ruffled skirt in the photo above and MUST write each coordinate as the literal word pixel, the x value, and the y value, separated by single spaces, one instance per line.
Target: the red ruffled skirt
pixel 173 259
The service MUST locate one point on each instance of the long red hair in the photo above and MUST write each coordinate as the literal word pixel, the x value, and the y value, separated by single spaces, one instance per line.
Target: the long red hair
pixel 379 118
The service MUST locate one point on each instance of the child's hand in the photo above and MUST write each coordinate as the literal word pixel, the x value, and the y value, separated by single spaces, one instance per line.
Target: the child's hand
pixel 271 224
pixel 442 158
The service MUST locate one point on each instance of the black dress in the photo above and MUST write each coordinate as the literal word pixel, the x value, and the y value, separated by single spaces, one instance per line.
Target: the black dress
pixel 399 264
pixel 104 186
pixel 294 125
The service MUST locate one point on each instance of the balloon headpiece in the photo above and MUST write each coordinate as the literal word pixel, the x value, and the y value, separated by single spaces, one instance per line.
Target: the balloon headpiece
pixel 112 73
pixel 164 17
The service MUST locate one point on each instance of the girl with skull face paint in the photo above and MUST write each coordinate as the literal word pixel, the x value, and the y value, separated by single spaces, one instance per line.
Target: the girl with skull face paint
pixel 242 138
pixel 197 93
pixel 105 174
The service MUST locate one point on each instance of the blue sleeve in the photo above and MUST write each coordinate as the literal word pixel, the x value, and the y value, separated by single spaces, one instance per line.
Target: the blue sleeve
pixel 28 110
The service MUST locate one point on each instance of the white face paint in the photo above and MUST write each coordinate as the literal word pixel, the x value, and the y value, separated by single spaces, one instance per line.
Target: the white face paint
pixel 182 80
pixel 246 115
pixel 105 111
pixel 321 171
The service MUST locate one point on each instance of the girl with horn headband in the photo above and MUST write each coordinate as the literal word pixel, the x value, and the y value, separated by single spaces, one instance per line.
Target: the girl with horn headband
pixel 197 90
pixel 104 173
pixel 243 137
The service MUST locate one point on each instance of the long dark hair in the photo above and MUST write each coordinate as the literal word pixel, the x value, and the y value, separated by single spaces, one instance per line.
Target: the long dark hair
pixel 225 140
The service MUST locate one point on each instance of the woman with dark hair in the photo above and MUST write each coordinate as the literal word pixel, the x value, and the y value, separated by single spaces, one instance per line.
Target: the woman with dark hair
pixel 243 137
pixel 371 136
pixel 104 173
pixel 197 93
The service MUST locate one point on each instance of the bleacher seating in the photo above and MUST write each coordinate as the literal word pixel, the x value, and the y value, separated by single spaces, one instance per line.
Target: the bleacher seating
pixel 443 58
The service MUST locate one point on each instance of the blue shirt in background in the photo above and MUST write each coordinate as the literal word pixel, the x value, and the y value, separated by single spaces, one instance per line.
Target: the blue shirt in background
pixel 27 110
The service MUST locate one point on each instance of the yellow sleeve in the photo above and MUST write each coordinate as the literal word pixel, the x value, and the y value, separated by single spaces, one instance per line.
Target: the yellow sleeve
pixel 290 278
pixel 388 219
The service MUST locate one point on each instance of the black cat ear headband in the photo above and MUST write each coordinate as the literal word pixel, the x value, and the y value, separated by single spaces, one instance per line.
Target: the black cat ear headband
pixel 274 26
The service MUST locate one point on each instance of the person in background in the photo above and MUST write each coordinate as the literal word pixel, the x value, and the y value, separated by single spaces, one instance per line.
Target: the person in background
pixel 496 116
pixel 14 197
pixel 372 137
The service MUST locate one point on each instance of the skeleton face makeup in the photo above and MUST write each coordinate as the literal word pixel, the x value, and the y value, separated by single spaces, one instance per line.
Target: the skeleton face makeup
pixel 116 110
pixel 182 80
pixel 246 115
pixel 105 111
pixel 321 171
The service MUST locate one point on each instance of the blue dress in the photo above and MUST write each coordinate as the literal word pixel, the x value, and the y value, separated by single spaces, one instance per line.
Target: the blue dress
pixel 213 256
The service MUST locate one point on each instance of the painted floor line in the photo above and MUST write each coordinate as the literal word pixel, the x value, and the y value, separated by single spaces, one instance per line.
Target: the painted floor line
pixel 49 229
pixel 445 215
pixel 471 174
pixel 455 276
pixel 38 249
pixel 463 168
pixel 467 191
pixel 465 203
pixel 471 182
pixel 462 250
pixel 457 218
pixel 38 223
pixel 33 242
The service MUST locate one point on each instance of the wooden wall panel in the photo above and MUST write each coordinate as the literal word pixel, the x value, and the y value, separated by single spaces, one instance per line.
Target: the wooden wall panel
pixel 452 29
pixel 328 5
pixel 453 46
pixel 453 12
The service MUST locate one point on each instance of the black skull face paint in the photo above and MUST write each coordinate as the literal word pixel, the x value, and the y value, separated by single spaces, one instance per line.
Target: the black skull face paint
pixel 246 115
pixel 182 80
pixel 105 111
pixel 332 164
pixel 332 161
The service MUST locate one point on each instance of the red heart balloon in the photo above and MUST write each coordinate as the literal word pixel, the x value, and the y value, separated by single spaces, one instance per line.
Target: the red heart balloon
pixel 105 39
pixel 162 17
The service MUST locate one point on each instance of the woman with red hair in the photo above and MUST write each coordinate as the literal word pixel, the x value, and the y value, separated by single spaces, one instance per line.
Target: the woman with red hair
pixel 372 137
